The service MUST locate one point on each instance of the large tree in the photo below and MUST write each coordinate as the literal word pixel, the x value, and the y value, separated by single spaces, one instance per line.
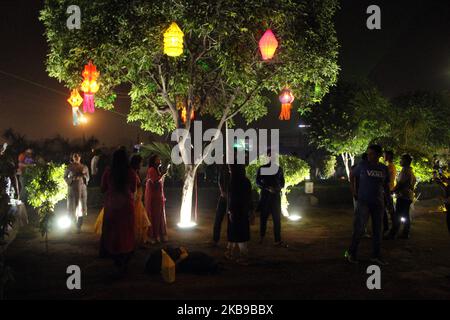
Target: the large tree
pixel 349 118
pixel 420 122
pixel 220 73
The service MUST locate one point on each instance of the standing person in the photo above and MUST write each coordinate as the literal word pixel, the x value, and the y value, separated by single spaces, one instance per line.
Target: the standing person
pixel 94 167
pixel 24 161
pixel 141 221
pixel 77 179
pixel 354 185
pixel 389 205
pixel 239 213
pixel 270 201
pixel 221 210
pixel 406 183
pixel 119 186
pixel 155 201
pixel 373 185
pixel 444 182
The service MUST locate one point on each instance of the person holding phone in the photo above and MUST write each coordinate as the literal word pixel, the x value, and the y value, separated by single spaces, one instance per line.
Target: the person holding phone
pixel 155 201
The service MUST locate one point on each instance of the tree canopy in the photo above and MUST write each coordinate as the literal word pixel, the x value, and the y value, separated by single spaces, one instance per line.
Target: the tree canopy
pixel 421 122
pixel 350 117
pixel 220 69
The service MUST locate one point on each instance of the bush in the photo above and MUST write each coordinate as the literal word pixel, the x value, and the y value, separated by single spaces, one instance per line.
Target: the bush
pixel 46 187
pixel 295 171
pixel 327 166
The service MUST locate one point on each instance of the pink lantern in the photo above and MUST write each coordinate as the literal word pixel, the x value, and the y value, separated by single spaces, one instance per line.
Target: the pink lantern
pixel 268 45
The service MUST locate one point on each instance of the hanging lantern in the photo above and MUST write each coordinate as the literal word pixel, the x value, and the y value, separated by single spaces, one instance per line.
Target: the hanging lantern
pixel 75 100
pixel 184 115
pixel 268 45
pixel 286 98
pixel 181 105
pixel 173 41
pixel 90 86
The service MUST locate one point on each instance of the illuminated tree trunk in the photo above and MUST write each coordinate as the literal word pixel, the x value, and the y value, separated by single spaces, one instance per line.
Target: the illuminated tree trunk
pixel 284 203
pixel 349 161
pixel 186 196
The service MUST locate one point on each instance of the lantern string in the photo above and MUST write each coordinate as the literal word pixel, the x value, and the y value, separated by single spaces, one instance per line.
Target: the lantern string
pixel 31 82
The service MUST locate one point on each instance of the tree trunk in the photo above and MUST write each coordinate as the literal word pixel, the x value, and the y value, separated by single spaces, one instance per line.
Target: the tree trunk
pixel 186 196
pixel 344 156
pixel 284 203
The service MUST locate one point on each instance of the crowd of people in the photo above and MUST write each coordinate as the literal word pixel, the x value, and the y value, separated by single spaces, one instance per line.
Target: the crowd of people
pixel 132 218
pixel 375 187
pixel 134 215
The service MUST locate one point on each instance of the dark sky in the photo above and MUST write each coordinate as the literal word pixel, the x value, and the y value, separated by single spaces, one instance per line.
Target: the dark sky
pixel 412 51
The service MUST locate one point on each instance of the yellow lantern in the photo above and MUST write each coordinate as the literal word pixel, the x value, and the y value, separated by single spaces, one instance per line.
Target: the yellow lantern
pixel 173 41
pixel 75 99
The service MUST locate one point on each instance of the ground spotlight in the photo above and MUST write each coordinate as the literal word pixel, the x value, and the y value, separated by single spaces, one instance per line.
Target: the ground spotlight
pixel 64 222
pixel 187 225
pixel 294 217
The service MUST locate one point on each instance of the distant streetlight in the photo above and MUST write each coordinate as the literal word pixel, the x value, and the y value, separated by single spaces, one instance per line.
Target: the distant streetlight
pixel 303 125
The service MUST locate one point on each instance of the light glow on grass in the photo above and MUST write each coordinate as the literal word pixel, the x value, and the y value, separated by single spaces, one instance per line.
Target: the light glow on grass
pixel 294 217
pixel 186 225
pixel 64 222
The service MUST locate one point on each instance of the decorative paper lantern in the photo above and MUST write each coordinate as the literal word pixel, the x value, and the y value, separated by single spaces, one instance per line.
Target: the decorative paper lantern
pixel 184 115
pixel 90 86
pixel 268 45
pixel 75 100
pixel 173 41
pixel 181 105
pixel 286 98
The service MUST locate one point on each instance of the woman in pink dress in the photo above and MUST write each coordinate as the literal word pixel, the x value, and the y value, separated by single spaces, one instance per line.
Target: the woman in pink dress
pixel 119 185
pixel 155 200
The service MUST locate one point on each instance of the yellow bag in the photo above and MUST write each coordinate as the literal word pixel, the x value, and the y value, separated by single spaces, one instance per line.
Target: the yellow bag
pixel 167 267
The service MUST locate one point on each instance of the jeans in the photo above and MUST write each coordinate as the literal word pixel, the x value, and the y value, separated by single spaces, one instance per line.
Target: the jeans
pixel 364 210
pixel 402 212
pixel 271 205
pixel 221 211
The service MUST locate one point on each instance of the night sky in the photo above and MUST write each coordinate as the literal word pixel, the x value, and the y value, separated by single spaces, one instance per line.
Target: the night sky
pixel 412 51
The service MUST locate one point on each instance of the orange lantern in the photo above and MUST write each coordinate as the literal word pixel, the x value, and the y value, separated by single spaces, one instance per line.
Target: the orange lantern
pixel 75 100
pixel 90 86
pixel 184 115
pixel 268 45
pixel 286 98
pixel 181 105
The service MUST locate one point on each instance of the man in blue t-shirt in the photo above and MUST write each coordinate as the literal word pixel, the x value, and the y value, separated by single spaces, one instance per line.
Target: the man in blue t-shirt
pixel 373 184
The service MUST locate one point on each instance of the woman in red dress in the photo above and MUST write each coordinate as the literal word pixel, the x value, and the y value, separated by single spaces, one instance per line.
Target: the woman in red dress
pixel 119 186
pixel 155 201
